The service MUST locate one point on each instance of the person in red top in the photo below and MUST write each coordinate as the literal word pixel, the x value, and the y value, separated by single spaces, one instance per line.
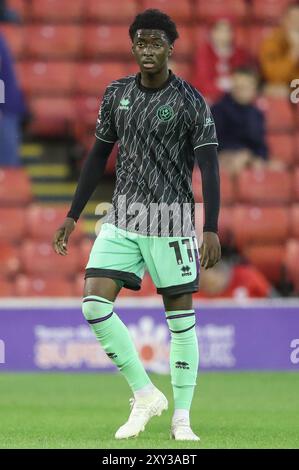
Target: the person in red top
pixel 229 280
pixel 217 58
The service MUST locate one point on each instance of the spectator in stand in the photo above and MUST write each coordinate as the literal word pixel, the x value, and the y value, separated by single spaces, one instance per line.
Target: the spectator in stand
pixel 230 279
pixel 279 54
pixel 12 109
pixel 240 124
pixel 7 15
pixel 216 59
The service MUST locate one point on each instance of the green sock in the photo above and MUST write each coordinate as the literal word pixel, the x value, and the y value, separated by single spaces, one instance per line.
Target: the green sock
pixel 115 339
pixel 184 356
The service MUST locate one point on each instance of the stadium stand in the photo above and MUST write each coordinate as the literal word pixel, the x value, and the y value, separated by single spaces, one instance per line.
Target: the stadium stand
pixel 9 260
pixel 67 51
pixel 35 286
pixel 52 11
pixel 264 186
pixel 11 178
pixel 12 223
pixel 268 10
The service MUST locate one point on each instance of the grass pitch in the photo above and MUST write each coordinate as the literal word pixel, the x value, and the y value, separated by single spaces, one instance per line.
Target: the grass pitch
pixel 230 410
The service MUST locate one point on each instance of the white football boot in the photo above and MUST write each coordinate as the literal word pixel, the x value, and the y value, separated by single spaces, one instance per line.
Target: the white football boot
pixel 143 409
pixel 181 431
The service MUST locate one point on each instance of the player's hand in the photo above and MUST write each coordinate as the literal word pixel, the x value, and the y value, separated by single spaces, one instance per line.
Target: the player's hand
pixel 61 236
pixel 210 250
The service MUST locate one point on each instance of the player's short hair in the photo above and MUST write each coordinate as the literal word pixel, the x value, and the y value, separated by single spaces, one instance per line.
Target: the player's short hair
pixel 154 19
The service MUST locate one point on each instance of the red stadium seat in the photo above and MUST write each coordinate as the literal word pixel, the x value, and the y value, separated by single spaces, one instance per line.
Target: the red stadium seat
pixel 218 8
pixel 296 183
pixel 52 115
pixel 9 259
pixel 292 265
pixel 268 10
pixel 14 36
pixel 294 214
pixel 225 224
pixel 282 147
pixel 40 258
pixel 256 36
pixel 37 286
pixel 264 186
pixel 106 41
pixel 43 221
pixel 12 224
pixel 105 11
pixel 179 10
pixel 88 109
pixel 6 288
pixel 53 41
pixel 93 78
pixel 184 46
pixel 278 112
pixel 53 11
pixel 269 259
pixel 226 187
pixel 48 78
pixel 15 187
pixel 253 225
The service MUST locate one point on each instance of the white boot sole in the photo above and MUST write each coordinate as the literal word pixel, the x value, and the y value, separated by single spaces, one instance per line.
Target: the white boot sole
pixel 157 410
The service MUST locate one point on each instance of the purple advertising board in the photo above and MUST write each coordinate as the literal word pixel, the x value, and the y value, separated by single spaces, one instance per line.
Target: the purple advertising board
pixel 56 337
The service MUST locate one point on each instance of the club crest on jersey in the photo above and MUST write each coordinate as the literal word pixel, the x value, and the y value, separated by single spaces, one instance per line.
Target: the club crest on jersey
pixel 165 113
pixel 124 104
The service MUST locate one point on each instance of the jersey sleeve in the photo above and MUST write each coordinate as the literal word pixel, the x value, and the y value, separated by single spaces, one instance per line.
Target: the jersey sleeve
pixel 105 127
pixel 200 121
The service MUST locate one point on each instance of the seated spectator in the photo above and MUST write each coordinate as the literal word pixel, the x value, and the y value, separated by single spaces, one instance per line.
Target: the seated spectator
pixel 216 59
pixel 7 15
pixel 240 124
pixel 12 109
pixel 228 279
pixel 279 54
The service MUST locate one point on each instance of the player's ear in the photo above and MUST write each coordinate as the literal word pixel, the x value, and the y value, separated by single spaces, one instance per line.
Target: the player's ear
pixel 170 51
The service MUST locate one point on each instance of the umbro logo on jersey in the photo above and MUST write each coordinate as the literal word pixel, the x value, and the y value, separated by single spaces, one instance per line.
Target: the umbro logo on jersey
pixel 124 103
pixel 181 365
pixel 186 271
pixel 209 122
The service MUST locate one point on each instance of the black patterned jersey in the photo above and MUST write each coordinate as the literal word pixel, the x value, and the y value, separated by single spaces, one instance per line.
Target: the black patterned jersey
pixel 157 131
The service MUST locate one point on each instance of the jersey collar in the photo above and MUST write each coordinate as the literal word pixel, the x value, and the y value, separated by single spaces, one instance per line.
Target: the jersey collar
pixel 153 90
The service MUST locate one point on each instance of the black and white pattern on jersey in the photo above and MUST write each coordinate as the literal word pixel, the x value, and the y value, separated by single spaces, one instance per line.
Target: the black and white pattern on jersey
pixel 157 132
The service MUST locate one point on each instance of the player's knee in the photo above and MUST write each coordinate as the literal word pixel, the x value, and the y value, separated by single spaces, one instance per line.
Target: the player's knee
pixel 96 308
pixel 181 322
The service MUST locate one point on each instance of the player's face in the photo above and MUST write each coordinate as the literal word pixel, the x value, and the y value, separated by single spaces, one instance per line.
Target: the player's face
pixel 151 49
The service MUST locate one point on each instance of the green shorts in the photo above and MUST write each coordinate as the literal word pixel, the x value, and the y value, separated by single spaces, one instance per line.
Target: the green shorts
pixel 172 262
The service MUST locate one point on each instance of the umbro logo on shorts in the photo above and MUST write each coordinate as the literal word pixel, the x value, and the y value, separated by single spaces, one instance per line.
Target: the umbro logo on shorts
pixel 181 365
pixel 186 271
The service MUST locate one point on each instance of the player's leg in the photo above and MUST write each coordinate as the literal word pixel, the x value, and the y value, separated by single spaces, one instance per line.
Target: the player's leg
pixel 115 261
pixel 98 309
pixel 173 263
pixel 184 359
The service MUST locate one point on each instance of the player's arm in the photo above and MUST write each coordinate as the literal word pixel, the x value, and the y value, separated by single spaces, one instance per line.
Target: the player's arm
pixel 92 171
pixel 207 160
